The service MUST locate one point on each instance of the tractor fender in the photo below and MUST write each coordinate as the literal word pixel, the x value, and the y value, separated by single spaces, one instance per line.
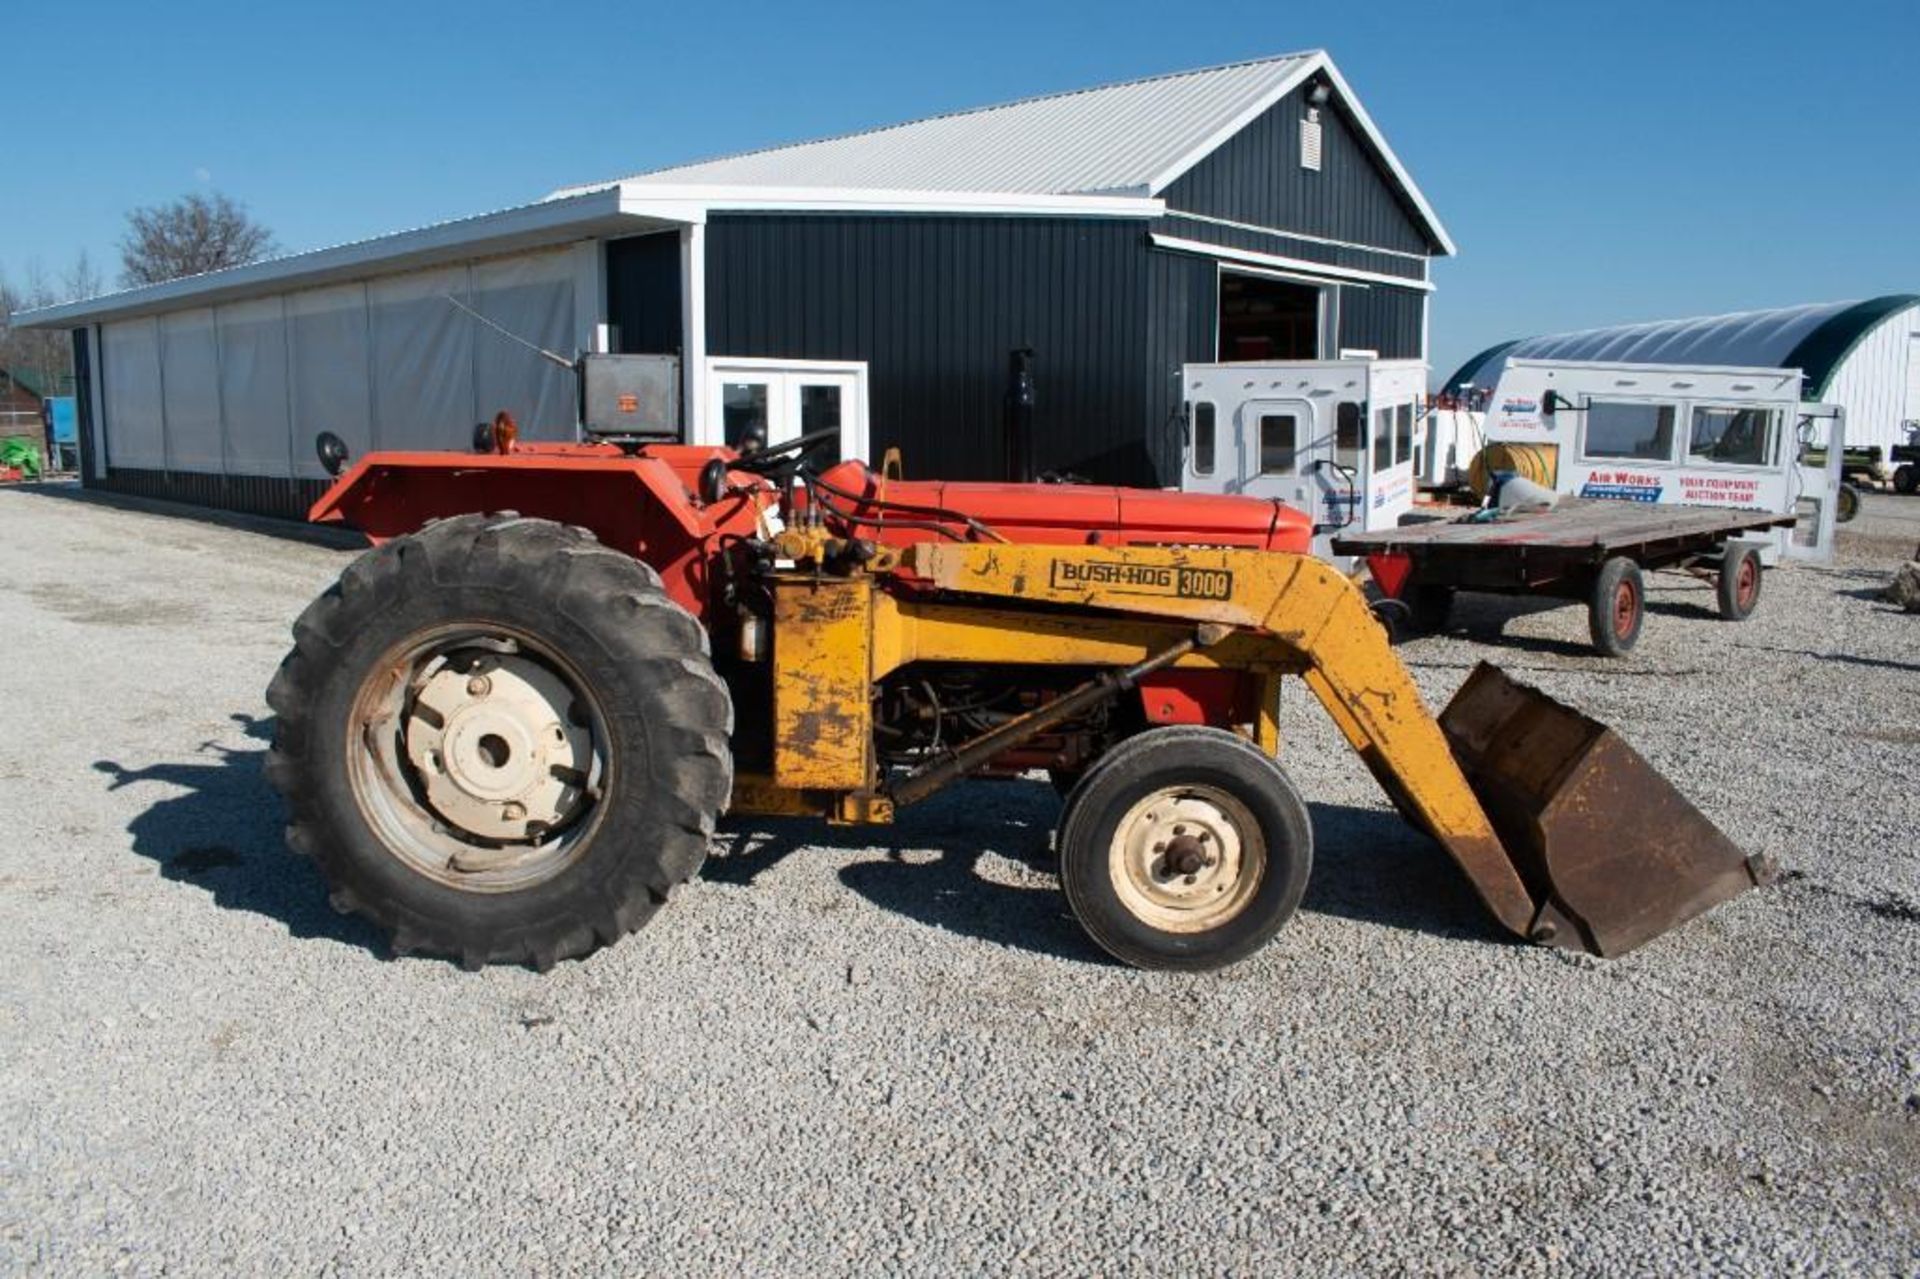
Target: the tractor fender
pixel 639 506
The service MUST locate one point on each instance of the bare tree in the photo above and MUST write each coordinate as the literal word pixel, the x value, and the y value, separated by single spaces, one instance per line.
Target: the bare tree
pixel 43 358
pixel 193 234
pixel 82 280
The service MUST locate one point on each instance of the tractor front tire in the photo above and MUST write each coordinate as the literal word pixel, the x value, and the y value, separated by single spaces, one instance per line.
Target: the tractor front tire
pixel 500 741
pixel 1184 848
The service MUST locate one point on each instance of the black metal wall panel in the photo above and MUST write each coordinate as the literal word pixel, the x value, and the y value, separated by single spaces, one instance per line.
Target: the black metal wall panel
pixel 83 400
pixel 934 304
pixel 274 495
pixel 644 294
pixel 1383 319
pixel 1255 177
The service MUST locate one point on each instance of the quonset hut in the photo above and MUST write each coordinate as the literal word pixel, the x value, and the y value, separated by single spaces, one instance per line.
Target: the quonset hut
pixel 1863 356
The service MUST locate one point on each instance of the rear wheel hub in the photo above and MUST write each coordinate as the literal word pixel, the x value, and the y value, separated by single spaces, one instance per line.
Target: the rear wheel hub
pixel 492 740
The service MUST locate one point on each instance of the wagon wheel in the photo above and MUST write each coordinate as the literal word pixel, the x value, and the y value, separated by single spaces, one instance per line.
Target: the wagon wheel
pixel 1738 583
pixel 1617 607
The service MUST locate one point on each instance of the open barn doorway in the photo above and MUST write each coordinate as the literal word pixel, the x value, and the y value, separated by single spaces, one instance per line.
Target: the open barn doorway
pixel 1263 318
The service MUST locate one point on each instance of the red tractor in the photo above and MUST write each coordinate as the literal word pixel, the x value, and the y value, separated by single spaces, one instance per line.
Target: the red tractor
pixel 507 732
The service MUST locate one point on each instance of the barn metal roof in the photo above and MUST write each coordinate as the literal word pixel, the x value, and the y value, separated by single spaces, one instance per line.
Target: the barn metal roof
pixel 1814 338
pixel 1132 138
pixel 1102 152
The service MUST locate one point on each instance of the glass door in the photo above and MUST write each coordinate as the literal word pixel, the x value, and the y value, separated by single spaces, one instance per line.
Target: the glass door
pixel 772 401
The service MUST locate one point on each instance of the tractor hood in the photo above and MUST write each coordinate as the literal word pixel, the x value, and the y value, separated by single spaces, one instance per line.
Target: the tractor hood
pixel 1075 514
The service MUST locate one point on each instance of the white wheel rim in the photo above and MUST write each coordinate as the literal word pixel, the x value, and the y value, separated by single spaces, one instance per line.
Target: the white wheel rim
pixel 492 740
pixel 478 757
pixel 1187 859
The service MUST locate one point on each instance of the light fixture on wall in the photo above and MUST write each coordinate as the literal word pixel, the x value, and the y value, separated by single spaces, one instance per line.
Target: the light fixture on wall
pixel 1317 95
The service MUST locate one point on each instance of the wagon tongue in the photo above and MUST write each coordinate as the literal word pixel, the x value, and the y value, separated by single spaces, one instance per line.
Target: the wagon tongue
pixel 1612 852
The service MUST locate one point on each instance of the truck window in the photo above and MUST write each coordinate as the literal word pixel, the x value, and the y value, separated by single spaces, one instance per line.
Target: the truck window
pixel 1734 436
pixel 1349 423
pixel 1203 438
pixel 1639 432
pixel 1403 433
pixel 1382 439
pixel 1278 443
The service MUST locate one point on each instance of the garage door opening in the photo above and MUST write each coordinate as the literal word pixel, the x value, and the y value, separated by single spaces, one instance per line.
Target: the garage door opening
pixel 1266 319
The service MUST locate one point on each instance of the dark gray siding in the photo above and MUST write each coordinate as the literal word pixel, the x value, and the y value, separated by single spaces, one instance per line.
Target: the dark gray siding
pixel 1382 319
pixel 934 303
pixel 643 292
pixel 83 399
pixel 1255 177
pixel 273 495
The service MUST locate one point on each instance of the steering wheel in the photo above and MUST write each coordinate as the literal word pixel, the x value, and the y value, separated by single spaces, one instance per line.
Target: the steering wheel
pixel 787 457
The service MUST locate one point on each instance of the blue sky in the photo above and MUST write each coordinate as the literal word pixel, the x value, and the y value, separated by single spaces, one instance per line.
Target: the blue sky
pixel 1596 163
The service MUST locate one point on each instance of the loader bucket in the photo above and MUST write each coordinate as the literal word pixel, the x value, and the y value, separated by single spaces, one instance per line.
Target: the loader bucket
pixel 1612 852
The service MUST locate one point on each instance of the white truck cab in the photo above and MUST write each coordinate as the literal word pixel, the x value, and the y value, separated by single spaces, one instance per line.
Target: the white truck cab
pixel 1666 433
pixel 1335 439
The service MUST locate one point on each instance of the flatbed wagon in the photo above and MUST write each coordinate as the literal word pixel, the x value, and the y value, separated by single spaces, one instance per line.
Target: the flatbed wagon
pixel 1596 551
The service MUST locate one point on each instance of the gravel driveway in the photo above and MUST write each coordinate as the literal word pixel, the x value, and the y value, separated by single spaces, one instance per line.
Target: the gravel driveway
pixel 838 1052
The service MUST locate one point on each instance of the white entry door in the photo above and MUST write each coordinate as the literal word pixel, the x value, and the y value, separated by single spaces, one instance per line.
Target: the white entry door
pixel 1815 486
pixel 780 400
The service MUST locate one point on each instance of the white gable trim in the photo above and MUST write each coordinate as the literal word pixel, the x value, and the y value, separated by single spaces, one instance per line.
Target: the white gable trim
pixel 693 201
pixel 1319 61
pixel 1278 263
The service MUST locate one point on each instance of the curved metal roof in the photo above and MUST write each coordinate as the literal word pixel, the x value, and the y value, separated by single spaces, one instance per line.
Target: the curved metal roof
pixel 1814 339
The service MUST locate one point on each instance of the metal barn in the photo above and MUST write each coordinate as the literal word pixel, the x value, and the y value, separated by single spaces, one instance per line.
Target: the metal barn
pixel 1863 356
pixel 878 281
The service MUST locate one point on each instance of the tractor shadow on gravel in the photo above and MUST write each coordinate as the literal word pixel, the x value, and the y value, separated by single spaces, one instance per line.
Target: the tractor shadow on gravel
pixel 1369 866
pixel 934 866
pixel 224 835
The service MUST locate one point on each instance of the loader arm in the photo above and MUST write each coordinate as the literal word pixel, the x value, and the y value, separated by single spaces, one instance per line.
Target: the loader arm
pixel 1318 622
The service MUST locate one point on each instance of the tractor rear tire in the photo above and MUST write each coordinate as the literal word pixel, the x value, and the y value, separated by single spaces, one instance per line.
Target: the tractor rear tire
pixel 500 741
pixel 1906 478
pixel 1184 848
pixel 1617 607
pixel 1848 504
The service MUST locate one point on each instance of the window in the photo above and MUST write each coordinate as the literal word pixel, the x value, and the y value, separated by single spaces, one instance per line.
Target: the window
pixel 1203 438
pixel 1733 437
pixel 1382 440
pixel 1806 531
pixel 1403 433
pixel 1278 436
pixel 743 410
pixel 1348 439
pixel 1640 432
pixel 820 411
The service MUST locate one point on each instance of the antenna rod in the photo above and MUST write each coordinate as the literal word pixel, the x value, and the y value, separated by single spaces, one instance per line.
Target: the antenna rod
pixel 561 360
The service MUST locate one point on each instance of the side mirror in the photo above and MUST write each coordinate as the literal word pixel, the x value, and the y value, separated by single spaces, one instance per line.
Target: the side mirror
pixel 332 452
pixel 713 481
pixel 1551 402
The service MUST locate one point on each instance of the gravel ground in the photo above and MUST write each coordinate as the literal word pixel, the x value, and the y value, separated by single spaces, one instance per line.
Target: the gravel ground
pixel 833 1055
